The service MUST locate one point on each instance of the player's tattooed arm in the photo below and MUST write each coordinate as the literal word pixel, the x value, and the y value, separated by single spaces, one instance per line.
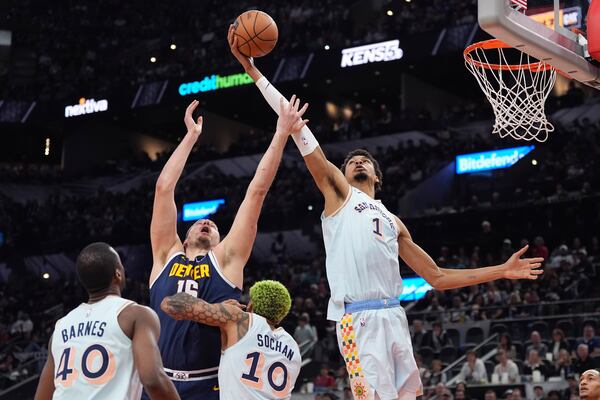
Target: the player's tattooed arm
pixel 183 306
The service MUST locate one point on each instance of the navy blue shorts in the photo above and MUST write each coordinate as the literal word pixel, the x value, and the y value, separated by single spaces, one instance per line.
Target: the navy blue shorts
pixel 195 390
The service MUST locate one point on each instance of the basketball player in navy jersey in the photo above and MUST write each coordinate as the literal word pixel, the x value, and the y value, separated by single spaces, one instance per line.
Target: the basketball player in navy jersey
pixel 203 265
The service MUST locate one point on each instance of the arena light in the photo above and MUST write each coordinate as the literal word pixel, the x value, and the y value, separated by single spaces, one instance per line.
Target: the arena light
pixel 47 147
pixel 214 82
pixel 86 106
pixel 173 46
pixel 414 289
pixel 201 209
pixel 152 59
pixel 46 275
pixel 327 47
pixel 490 160
pixel 376 52
pixel 390 13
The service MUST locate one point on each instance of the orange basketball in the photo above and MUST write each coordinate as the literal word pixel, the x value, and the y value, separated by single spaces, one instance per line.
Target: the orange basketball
pixel 256 33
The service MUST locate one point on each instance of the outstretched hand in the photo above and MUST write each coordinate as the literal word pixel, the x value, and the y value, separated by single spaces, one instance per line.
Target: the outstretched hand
pixel 523 268
pixel 290 116
pixel 247 62
pixel 193 127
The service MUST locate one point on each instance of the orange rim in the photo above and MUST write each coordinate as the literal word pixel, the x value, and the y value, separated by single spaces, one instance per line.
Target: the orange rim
pixel 498 44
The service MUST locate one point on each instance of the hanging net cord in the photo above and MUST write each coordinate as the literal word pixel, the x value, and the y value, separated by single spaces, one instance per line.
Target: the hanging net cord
pixel 517 92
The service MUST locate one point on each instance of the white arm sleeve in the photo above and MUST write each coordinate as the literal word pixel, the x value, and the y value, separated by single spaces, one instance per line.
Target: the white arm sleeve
pixel 305 140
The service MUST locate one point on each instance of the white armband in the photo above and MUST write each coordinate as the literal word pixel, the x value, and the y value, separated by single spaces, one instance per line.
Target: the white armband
pixel 305 140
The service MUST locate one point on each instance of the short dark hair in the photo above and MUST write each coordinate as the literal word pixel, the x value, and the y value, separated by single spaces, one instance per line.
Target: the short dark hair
pixel 96 266
pixel 365 153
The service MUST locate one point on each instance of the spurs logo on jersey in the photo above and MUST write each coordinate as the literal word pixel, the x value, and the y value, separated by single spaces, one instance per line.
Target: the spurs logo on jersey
pixel 362 253
pixel 93 357
pixel 267 363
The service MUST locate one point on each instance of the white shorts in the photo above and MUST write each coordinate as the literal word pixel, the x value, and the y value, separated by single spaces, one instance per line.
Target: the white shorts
pixel 376 348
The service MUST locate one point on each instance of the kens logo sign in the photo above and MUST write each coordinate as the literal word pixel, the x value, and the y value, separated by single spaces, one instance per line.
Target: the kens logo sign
pixel 370 53
pixel 86 106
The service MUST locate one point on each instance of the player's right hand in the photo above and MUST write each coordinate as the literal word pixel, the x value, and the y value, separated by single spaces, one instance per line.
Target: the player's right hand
pixel 290 117
pixel 247 62
pixel 193 127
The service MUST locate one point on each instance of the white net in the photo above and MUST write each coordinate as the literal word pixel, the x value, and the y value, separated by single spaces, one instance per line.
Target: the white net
pixel 517 91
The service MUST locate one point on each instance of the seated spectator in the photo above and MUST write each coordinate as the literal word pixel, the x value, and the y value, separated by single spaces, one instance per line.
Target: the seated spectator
pixel 536 344
pixel 508 367
pixel 535 363
pixel 324 381
pixel 305 332
pixel 563 365
pixel 558 343
pixel 505 344
pixel 516 394
pixel 418 333
pixel 489 395
pixel 437 337
pixel 434 376
pixel 583 361
pixel 589 337
pixel 554 395
pixel 473 370
pixel 572 390
pixel 538 393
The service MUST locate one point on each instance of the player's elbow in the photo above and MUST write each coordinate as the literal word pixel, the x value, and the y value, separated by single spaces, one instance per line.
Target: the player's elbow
pixel 164 186
pixel 257 191
pixel 437 282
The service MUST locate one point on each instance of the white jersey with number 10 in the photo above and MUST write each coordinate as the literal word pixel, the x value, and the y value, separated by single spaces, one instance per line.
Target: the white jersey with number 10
pixel 93 358
pixel 264 364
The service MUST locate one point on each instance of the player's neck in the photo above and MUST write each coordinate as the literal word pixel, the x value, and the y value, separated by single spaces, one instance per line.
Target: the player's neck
pixel 193 252
pixel 365 187
pixel 96 297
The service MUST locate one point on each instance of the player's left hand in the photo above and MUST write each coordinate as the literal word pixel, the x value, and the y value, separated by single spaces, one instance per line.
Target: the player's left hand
pixel 233 302
pixel 523 268
pixel 290 116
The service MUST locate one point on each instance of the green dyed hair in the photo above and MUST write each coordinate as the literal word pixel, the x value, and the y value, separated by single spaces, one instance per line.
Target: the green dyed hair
pixel 270 299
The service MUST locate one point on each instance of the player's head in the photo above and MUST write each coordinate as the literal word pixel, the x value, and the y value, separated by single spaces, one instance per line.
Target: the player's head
pixel 360 166
pixel 270 299
pixel 203 234
pixel 589 385
pixel 99 268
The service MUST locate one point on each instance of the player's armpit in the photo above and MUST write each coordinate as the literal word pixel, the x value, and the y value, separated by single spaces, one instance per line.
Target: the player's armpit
pixel 45 389
pixel 147 356
pixel 329 179
pixel 183 306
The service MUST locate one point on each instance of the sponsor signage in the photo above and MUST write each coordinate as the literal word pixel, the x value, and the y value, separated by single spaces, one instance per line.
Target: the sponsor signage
pixel 569 17
pixel 214 82
pixel 371 53
pixel 200 209
pixel 490 160
pixel 86 106
pixel 414 288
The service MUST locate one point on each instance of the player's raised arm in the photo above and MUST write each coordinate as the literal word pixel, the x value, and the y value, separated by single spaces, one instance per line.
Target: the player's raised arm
pixel 45 388
pixel 236 247
pixel 443 278
pixel 146 330
pixel 329 179
pixel 163 228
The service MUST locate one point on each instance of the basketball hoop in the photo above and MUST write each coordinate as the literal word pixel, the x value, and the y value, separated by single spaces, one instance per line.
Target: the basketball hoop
pixel 516 90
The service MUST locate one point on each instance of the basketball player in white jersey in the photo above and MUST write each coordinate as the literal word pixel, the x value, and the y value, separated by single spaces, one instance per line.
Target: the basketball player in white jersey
pixel 105 348
pixel 589 385
pixel 258 360
pixel 363 241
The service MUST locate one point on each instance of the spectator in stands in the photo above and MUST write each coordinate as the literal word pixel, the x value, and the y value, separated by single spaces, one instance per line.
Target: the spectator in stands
pixel 489 395
pixel 563 365
pixel 589 337
pixel 324 381
pixel 305 332
pixel 516 394
pixel 278 248
pixel 558 343
pixel 538 393
pixel 554 395
pixel 583 361
pixel 539 248
pixel 505 343
pixel 535 363
pixel 473 370
pixel 536 344
pixel 506 367
pixel 22 326
pixel 434 376
pixel 418 333
pixel 572 390
pixel 437 337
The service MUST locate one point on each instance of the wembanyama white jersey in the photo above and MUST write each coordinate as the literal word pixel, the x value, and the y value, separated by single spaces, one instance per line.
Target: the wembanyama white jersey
pixel 361 243
pixel 264 364
pixel 93 358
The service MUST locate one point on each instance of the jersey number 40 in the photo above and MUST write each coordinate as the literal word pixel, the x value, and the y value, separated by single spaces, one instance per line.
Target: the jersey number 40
pixel 94 372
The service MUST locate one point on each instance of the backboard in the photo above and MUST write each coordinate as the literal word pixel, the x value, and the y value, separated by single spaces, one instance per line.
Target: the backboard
pixel 542 29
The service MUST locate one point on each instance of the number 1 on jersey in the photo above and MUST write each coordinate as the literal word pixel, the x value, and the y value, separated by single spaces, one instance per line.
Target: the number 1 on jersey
pixel 377 227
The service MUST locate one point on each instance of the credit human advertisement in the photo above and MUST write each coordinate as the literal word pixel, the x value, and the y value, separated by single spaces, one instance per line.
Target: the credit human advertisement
pixel 414 289
pixel 214 82
pixel 371 53
pixel 200 209
pixel 490 160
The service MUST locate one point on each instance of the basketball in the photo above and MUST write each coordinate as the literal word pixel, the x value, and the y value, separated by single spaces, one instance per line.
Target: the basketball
pixel 256 33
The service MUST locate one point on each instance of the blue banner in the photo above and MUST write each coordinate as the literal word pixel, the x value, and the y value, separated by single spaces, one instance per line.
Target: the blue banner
pixel 490 160
pixel 200 209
